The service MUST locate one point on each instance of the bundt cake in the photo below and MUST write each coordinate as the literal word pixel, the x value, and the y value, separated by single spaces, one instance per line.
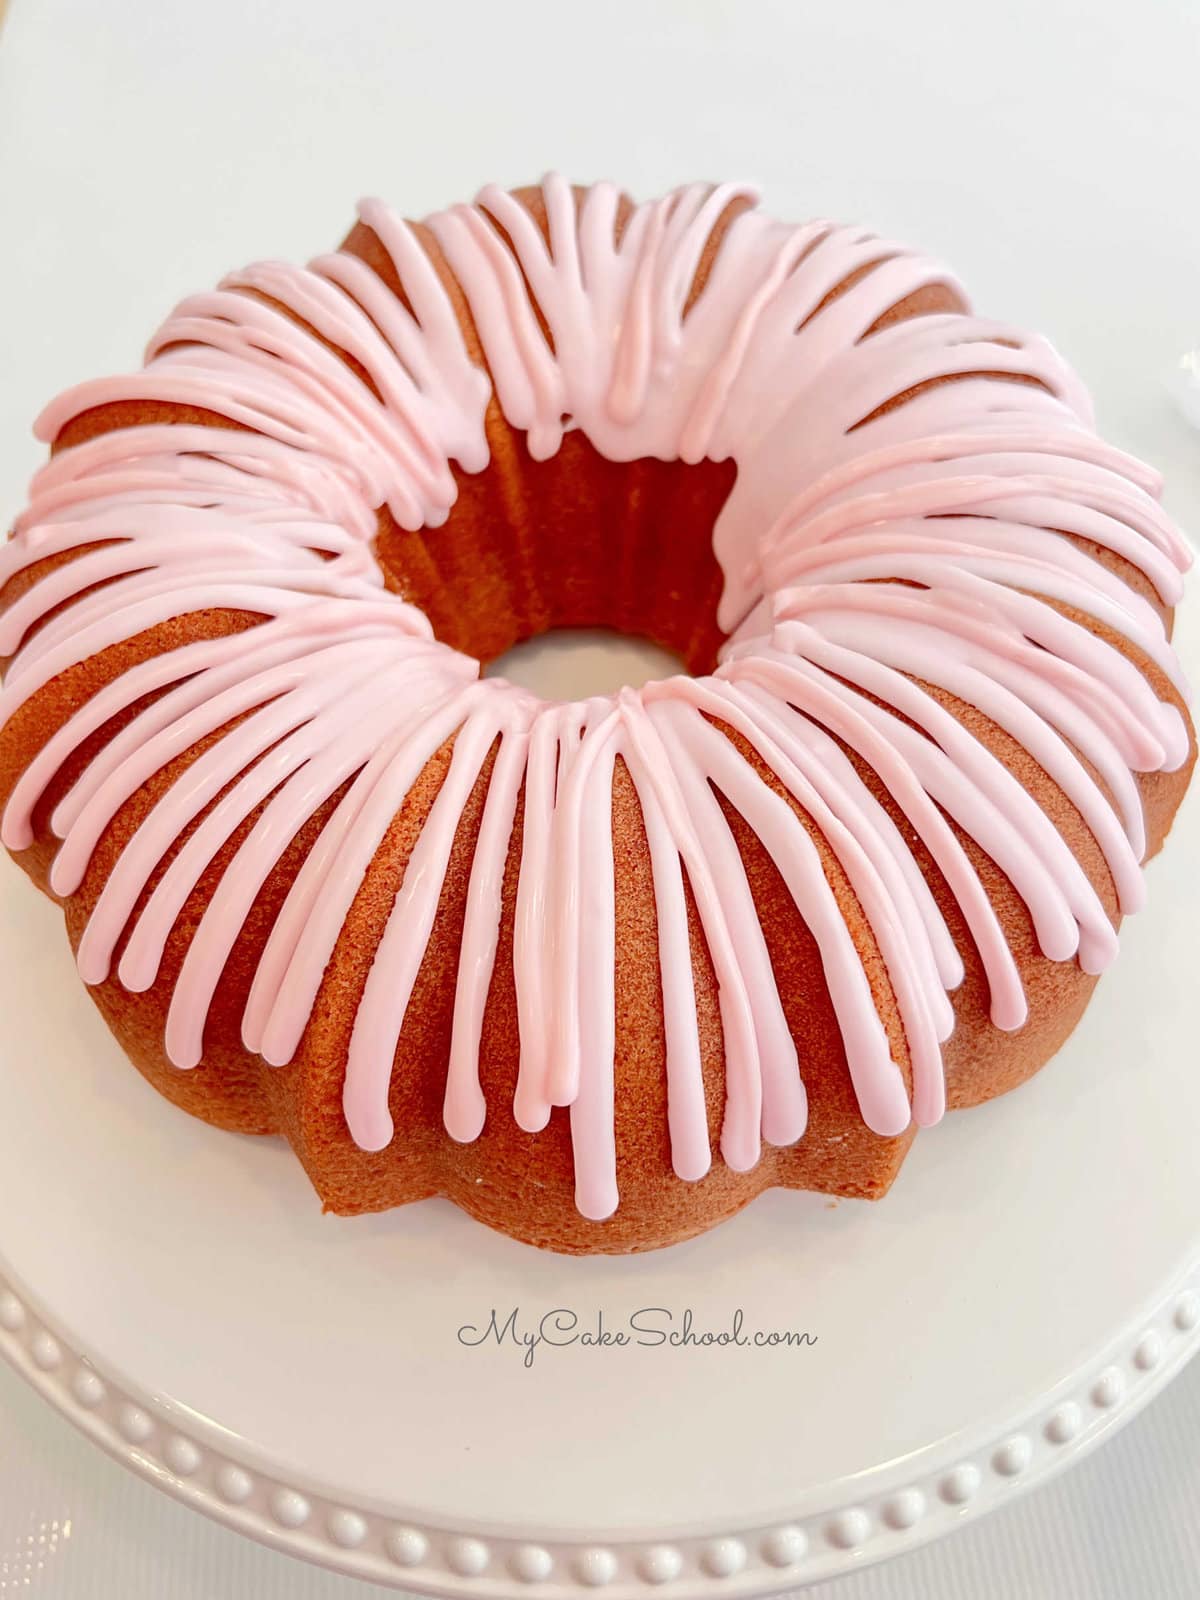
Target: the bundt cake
pixel 600 972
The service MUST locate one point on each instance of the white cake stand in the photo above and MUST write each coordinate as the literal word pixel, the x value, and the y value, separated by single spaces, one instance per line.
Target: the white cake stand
pixel 1031 1281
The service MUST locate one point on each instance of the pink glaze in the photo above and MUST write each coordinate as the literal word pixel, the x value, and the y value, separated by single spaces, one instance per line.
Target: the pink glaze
pixel 863 559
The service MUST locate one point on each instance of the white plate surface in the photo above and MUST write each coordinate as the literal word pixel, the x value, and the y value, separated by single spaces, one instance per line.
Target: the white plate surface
pixel 1016 1269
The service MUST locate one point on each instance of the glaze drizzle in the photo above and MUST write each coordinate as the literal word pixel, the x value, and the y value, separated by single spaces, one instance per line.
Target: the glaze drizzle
pixel 866 553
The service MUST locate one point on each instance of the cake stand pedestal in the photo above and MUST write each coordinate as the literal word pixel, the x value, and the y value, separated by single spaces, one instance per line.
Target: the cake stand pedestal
pixel 334 1387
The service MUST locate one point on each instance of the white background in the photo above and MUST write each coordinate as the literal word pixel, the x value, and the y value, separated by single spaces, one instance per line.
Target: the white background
pixel 1048 150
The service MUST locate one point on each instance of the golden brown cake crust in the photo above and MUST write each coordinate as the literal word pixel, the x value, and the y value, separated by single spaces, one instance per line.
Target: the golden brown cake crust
pixel 500 571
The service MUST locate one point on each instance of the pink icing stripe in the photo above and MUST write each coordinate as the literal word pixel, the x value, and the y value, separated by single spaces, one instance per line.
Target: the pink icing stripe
pixel 803 685
pixel 880 1089
pixel 741 1128
pixel 432 718
pixel 592 1106
pixel 685 738
pixel 833 775
pixel 905 950
pixel 860 556
pixel 988 667
pixel 465 1108
pixel 565 933
pixel 686 1110
pixel 293 922
pixel 531 1105
pixel 394 970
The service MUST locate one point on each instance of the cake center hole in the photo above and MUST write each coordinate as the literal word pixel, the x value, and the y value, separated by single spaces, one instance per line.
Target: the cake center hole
pixel 575 663
pixel 571 576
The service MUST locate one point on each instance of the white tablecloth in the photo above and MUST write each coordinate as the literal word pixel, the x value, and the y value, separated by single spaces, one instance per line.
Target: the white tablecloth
pixel 1045 147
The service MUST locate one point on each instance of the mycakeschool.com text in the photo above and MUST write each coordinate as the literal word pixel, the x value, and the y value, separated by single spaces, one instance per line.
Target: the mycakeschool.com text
pixel 532 1333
